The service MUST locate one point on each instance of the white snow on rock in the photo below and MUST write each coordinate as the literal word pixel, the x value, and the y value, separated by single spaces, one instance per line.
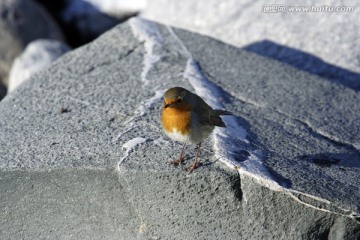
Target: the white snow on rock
pixel 130 145
pixel 141 111
pixel 37 56
pixel 147 31
pixel 130 127
pixel 133 143
pixel 149 103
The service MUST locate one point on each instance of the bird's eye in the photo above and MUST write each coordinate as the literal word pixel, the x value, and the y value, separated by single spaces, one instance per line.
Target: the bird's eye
pixel 178 101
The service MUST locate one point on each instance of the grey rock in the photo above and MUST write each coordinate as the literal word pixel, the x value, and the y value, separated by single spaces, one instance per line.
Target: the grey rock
pixel 98 115
pixel 37 56
pixel 22 21
pixel 322 42
pixel 65 204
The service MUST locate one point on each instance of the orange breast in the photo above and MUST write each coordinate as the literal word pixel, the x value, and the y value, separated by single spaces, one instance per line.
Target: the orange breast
pixel 176 118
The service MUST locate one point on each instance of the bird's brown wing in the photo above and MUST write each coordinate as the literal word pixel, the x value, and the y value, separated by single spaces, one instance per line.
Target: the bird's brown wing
pixel 209 116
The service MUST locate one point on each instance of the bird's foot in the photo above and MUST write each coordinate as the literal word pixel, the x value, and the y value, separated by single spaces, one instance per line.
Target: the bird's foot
pixel 192 167
pixel 178 162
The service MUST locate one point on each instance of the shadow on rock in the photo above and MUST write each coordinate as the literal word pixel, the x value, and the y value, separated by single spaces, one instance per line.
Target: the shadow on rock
pixel 333 159
pixel 306 62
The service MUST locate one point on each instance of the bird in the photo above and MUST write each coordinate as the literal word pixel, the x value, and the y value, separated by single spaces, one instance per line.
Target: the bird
pixel 188 119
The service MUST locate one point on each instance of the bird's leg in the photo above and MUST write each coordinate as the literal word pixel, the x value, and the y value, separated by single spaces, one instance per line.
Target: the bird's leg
pixel 181 158
pixel 196 163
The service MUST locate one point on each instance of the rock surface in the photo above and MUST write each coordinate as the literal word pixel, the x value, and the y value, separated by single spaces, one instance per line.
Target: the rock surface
pixel 65 204
pixel 37 56
pixel 22 21
pixel 322 42
pixel 87 130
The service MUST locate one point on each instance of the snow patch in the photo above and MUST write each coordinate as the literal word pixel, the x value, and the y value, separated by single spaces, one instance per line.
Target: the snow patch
pixel 133 143
pixel 131 127
pixel 151 102
pixel 129 145
pixel 148 33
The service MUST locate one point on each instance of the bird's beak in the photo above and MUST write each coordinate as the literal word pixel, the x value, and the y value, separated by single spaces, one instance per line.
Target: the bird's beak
pixel 167 105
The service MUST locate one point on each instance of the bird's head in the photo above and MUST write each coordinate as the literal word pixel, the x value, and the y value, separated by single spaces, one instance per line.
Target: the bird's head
pixel 178 97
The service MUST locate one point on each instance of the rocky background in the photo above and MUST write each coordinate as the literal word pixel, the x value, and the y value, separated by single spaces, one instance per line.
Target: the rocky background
pixel 284 36
pixel 82 151
pixel 35 33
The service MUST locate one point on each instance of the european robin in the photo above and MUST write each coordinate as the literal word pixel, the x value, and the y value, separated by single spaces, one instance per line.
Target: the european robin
pixel 187 118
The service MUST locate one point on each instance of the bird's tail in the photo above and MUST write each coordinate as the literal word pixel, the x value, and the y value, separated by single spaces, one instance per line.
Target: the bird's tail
pixel 223 112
